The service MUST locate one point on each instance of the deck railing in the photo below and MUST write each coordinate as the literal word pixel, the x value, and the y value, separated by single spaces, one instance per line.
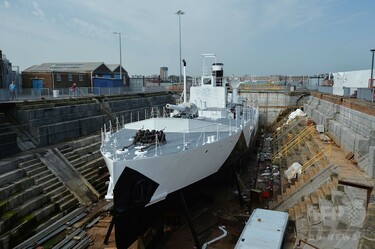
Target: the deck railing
pixel 207 134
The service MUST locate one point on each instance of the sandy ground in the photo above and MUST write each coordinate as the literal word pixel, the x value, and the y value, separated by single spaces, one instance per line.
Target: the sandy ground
pixel 98 233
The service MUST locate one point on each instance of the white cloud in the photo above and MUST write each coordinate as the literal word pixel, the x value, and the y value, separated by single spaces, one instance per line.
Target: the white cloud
pixel 89 29
pixel 6 4
pixel 38 12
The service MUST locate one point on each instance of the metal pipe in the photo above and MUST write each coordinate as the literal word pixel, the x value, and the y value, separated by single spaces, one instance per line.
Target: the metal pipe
pixel 307 243
pixel 179 13
pixel 222 228
pixel 372 66
pixel 185 85
pixel 53 80
pixel 120 59
pixel 119 37
pixel 372 69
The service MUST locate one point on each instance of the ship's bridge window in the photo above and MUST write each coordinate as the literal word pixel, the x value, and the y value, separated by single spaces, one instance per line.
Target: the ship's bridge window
pixel 219 81
pixel 207 81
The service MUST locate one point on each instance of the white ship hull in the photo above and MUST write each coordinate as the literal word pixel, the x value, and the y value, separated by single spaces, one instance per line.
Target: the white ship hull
pixel 188 165
pixel 153 158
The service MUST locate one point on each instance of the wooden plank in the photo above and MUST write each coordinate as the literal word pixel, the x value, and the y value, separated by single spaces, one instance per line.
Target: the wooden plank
pixel 319 194
pixel 308 202
pixel 302 207
pixel 314 199
pixel 292 215
pixel 297 211
pixel 326 192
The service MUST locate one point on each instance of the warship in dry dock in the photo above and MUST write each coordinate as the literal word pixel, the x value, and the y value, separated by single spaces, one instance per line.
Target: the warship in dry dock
pixel 150 159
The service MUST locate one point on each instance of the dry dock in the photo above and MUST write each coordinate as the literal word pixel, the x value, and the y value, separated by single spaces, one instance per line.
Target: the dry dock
pixel 330 203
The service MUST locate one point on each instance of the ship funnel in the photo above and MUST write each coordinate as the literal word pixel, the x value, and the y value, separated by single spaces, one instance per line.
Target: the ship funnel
pixel 218 73
pixel 217 69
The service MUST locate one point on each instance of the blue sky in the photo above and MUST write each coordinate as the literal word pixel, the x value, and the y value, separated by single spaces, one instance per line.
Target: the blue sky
pixel 251 37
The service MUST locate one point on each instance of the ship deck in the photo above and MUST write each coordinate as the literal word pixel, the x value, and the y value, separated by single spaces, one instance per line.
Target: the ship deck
pixel 180 134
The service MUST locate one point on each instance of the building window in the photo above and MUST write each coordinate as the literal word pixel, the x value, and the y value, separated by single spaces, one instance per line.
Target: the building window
pixel 70 77
pixel 80 77
pixel 58 77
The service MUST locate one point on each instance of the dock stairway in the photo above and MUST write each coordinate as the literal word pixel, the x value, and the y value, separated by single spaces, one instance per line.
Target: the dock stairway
pixel 30 194
pixel 302 135
pixel 277 126
pixel 14 137
pixel 37 190
pixel 277 136
pixel 325 210
pixel 304 186
pixel 316 169
pixel 84 155
pixel 333 214
pixel 25 140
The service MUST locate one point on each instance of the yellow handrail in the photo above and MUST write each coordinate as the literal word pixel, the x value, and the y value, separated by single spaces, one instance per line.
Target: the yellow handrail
pixel 279 124
pixel 316 158
pixel 282 132
pixel 295 141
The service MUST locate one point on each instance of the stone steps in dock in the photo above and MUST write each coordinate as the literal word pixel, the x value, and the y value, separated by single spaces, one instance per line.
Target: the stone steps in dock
pixel 303 153
pixel 31 178
pixel 30 194
pixel 84 155
pixel 50 185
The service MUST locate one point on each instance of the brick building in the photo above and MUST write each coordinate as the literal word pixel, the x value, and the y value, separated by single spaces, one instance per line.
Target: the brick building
pixel 63 75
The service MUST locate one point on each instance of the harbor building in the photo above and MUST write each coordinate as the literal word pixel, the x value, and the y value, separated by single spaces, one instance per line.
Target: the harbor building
pixel 164 73
pixel 62 75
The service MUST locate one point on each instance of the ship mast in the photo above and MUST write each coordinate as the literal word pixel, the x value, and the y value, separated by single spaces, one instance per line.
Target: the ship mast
pixel 184 62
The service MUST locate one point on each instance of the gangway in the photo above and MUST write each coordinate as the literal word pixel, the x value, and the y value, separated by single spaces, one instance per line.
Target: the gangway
pixel 295 141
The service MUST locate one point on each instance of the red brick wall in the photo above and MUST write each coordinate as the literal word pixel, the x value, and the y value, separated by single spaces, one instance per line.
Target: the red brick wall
pixel 49 82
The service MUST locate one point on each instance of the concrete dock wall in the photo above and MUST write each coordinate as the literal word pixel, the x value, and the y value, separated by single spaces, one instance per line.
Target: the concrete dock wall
pixel 53 121
pixel 272 103
pixel 349 127
pixel 8 138
pixel 58 121
pixel 137 108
